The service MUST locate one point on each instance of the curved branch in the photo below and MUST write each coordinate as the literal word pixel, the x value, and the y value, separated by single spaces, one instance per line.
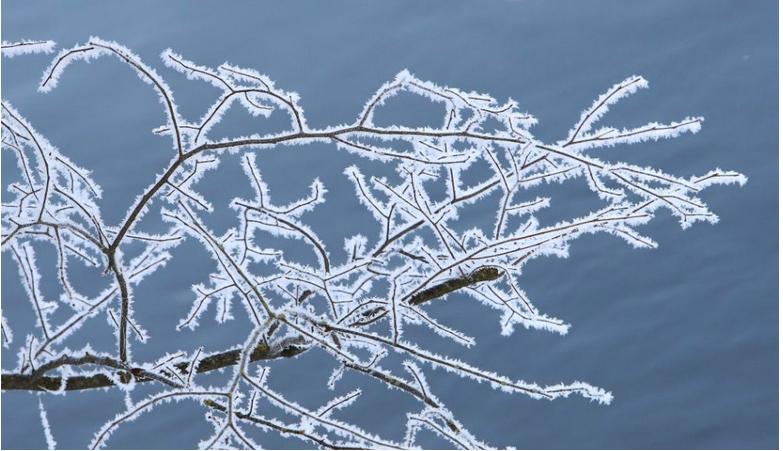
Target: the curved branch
pixel 159 86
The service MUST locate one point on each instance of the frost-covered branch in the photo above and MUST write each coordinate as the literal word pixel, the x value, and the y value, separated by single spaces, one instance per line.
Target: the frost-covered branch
pixel 355 304
pixel 39 381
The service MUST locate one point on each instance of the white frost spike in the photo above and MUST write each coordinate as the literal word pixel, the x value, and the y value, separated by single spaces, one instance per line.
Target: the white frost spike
pixel 50 442
pixel 12 49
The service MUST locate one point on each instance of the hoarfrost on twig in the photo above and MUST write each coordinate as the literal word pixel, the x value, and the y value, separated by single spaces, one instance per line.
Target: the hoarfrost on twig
pixel 355 304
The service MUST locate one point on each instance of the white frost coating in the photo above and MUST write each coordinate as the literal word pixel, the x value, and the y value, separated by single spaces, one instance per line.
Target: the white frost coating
pixel 8 336
pixel 335 377
pixel 51 76
pixel 264 88
pixel 338 403
pixel 601 105
pixel 610 136
pixel 516 309
pixel 442 423
pixel 414 315
pixel 182 184
pixel 30 276
pixel 50 442
pixel 429 251
pixel 12 49
pixel 254 100
pixel 192 70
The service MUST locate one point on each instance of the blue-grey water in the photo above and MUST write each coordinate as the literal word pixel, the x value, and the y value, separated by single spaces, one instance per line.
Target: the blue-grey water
pixel 685 336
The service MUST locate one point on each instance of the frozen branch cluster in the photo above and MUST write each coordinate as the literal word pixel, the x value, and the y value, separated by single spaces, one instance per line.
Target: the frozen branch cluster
pixel 356 303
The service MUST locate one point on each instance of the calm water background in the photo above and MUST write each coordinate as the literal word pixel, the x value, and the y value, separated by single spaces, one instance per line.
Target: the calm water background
pixel 685 336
